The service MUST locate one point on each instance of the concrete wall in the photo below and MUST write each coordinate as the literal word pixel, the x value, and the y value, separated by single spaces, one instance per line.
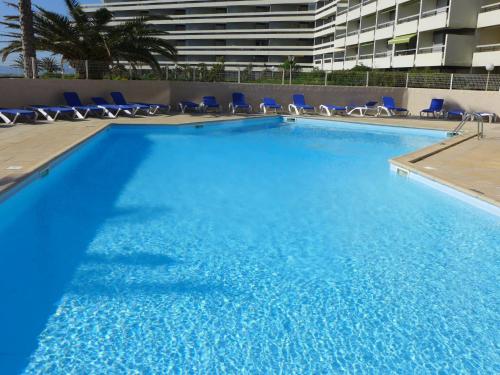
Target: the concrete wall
pixel 15 92
pixel 22 92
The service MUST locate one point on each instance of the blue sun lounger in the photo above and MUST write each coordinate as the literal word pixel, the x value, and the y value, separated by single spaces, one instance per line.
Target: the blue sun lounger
pixel 210 102
pixel 299 105
pixel 187 105
pixel 112 110
pixel 390 108
pixel 270 104
pixel 51 113
pixel 239 103
pixel 73 101
pixel 331 109
pixel 151 108
pixel 435 109
pixel 10 115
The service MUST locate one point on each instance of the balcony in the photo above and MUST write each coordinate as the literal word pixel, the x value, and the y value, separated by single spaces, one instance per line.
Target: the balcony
pixel 341 16
pixel 338 63
pixel 366 60
pixel 367 34
pixel 434 19
pixel 489 15
pixel 404 58
pixel 354 12
pixel 430 56
pixel 384 30
pixel 352 38
pixel 407 25
pixel 350 62
pixel 384 4
pixel 487 54
pixel 369 7
pixel 382 60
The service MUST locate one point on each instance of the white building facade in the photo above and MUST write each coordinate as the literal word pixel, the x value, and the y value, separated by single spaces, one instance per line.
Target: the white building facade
pixel 327 34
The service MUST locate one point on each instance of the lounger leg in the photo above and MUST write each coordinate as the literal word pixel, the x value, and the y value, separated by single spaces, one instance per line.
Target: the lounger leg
pixel 46 115
pixel 5 119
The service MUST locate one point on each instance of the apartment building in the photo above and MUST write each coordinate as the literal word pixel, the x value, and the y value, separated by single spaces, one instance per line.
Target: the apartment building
pixel 326 34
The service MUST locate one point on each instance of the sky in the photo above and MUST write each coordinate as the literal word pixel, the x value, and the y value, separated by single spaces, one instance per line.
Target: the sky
pixel 53 5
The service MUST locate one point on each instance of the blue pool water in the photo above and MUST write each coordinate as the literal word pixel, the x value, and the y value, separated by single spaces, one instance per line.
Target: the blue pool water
pixel 245 248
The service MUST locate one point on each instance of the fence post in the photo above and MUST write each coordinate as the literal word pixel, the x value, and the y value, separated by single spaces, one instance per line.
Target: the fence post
pixel 283 78
pixel 239 75
pixel 33 67
pixel 451 81
pixel 407 79
pixel 487 81
pixel 194 73
pixel 290 76
pixel 367 79
pixel 86 69
pixel 166 72
pixel 326 78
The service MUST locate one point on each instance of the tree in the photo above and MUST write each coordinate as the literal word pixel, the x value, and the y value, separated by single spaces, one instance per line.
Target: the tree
pixel 217 71
pixel 49 65
pixel 27 38
pixel 81 36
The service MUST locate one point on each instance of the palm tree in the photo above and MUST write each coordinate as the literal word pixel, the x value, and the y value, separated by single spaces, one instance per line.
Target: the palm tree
pixel 49 65
pixel 81 36
pixel 28 38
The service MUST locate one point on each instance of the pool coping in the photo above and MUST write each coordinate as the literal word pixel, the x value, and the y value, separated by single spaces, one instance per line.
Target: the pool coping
pixel 404 165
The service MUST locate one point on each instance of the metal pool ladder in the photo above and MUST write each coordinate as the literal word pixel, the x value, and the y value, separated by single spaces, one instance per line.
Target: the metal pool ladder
pixel 471 117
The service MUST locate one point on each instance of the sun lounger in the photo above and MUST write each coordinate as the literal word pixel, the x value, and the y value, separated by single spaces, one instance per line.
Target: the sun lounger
pixel 187 105
pixel 299 105
pixel 112 110
pixel 456 112
pixel 210 103
pixel 331 109
pixel 73 101
pixel 52 113
pixel 435 109
pixel 362 110
pixel 390 108
pixel 119 99
pixel 152 108
pixel 11 115
pixel 270 104
pixel 239 103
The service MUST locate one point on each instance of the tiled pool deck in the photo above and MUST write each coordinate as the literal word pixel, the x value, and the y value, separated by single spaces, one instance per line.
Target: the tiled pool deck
pixel 464 163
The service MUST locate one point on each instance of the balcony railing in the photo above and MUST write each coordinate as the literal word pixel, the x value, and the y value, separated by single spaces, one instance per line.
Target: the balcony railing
pixel 432 49
pixel 490 7
pixel 405 52
pixel 383 54
pixel 354 7
pixel 433 12
pixel 366 2
pixel 340 35
pixel 367 29
pixel 413 17
pixel 342 11
pixel 366 56
pixel 385 24
pixel 488 47
pixel 351 58
pixel 352 32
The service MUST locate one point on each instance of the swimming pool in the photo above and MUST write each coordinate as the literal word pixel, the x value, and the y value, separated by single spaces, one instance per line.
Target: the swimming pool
pixel 252 246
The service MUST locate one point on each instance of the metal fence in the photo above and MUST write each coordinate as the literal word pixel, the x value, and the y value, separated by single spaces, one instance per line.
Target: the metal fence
pixel 202 73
